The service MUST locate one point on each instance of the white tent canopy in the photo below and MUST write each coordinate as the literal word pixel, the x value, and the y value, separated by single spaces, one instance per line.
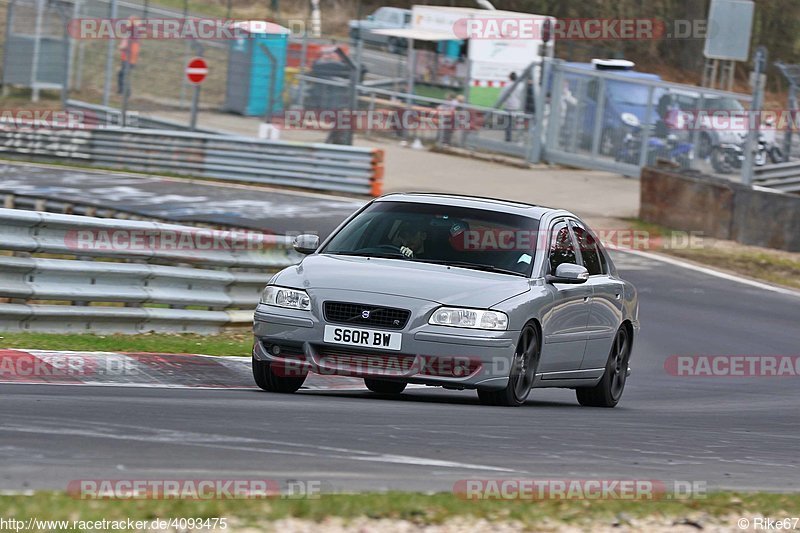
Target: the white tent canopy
pixel 417 35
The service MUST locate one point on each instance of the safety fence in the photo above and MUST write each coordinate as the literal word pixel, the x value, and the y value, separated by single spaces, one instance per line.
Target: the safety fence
pixel 393 113
pixel 229 158
pixel 77 273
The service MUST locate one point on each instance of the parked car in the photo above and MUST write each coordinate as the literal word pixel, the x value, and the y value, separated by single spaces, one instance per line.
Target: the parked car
pixel 383 18
pixel 455 291
pixel 732 117
pixel 621 96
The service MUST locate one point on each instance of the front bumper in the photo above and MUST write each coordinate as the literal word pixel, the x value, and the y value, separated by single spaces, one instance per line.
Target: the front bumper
pixel 432 355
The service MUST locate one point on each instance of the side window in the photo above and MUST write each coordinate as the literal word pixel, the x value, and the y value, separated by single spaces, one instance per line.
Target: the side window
pixel 561 247
pixel 381 15
pixel 592 258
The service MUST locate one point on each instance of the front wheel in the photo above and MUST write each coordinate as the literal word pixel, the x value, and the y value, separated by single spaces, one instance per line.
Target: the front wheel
pixel 394 46
pixel 608 392
pixel 267 379
pixel 382 386
pixel 523 372
pixel 719 161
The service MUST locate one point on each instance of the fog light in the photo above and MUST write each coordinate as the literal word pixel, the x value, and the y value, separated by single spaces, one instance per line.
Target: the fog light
pixel 276 350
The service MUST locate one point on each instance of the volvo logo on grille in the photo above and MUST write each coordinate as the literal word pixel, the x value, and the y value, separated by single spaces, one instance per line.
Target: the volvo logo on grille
pixel 365 314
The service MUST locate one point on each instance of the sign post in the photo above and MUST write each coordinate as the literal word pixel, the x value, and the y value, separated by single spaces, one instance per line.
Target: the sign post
pixel 196 71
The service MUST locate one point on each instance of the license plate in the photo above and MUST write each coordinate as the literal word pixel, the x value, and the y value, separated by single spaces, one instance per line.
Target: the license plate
pixel 365 338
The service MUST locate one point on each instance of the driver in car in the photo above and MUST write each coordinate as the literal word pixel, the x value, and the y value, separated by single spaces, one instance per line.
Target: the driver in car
pixel 410 239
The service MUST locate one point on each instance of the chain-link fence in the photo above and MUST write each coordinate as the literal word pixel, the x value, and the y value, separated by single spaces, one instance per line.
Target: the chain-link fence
pixel 569 113
pixel 623 120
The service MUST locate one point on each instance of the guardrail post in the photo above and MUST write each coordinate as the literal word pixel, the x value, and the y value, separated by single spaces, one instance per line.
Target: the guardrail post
pixel 376 180
pixel 646 127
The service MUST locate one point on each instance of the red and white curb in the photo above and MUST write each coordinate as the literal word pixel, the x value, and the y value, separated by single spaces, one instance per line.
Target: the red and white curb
pixel 139 369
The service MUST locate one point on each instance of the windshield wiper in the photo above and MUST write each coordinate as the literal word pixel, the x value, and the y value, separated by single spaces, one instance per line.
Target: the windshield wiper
pixel 379 255
pixel 460 264
pixel 474 266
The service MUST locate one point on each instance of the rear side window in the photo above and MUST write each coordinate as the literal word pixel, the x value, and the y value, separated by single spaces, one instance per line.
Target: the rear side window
pixel 561 247
pixel 590 253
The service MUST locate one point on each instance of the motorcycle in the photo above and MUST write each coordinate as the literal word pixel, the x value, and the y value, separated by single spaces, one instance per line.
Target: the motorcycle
pixel 669 147
pixel 729 157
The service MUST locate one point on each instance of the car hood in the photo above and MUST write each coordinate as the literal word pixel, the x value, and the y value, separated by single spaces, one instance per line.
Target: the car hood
pixel 434 283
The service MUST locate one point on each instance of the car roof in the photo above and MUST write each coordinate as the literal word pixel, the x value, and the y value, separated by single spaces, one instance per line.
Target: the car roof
pixel 475 202
pixel 620 72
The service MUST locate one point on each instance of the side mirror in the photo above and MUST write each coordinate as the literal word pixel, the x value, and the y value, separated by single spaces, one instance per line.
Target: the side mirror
pixel 306 243
pixel 370 17
pixel 569 273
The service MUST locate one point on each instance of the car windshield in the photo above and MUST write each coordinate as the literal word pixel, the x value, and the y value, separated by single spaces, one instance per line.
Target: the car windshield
pixel 450 235
pixel 722 104
pixel 710 103
pixel 629 93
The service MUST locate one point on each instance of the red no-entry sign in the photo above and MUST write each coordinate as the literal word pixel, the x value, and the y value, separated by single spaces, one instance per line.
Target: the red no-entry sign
pixel 196 70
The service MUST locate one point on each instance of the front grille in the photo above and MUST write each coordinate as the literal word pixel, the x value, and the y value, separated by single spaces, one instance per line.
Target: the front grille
pixel 353 314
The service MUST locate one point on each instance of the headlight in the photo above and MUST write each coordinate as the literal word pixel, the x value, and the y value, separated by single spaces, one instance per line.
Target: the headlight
pixel 469 318
pixel 283 297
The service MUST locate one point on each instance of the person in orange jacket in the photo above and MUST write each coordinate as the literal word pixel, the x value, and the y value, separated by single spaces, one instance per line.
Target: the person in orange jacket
pixel 129 56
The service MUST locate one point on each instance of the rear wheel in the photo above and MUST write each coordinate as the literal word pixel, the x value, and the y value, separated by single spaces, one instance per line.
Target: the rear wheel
pixel 523 371
pixel 266 378
pixel 382 386
pixel 394 46
pixel 608 392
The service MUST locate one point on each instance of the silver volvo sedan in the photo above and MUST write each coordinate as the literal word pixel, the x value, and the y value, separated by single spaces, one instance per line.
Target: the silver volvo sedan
pixel 452 291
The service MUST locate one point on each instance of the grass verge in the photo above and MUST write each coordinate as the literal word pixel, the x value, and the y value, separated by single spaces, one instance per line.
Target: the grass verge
pixel 417 508
pixel 228 343
pixel 772 266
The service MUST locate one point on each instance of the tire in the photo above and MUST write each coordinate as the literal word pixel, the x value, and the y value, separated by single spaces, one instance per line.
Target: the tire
pixel 267 380
pixel 776 155
pixel 393 46
pixel 608 392
pixel 382 386
pixel 718 162
pixel 522 374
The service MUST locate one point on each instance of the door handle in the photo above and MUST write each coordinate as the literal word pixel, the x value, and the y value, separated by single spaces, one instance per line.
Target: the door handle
pixel 586 299
pixel 617 296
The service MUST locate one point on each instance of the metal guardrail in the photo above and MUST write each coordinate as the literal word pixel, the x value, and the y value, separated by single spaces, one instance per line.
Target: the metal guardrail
pixel 310 166
pixel 100 115
pixel 781 176
pixel 156 290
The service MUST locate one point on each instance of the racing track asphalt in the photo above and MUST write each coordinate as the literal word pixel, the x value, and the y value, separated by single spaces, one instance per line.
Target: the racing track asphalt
pixel 180 200
pixel 739 433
